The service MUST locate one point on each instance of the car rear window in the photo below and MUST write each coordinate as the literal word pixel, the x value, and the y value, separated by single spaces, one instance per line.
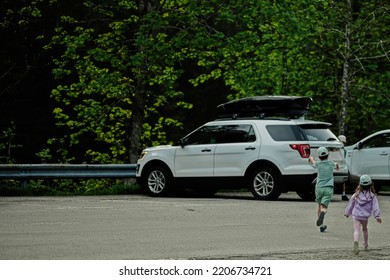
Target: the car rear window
pixel 307 132
pixel 286 133
pixel 318 133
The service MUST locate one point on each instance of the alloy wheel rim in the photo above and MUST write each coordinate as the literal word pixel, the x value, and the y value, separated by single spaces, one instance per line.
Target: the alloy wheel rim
pixel 156 181
pixel 263 183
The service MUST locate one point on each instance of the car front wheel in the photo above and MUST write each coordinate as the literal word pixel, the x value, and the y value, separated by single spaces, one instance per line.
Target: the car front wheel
pixel 157 181
pixel 264 183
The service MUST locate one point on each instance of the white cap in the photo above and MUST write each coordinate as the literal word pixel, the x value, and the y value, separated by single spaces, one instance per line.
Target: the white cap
pixel 365 180
pixel 322 152
pixel 342 138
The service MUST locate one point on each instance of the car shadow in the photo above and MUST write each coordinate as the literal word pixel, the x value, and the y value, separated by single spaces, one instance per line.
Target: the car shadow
pixel 234 195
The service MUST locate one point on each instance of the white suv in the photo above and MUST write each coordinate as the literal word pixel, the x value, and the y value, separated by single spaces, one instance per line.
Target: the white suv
pixel 266 155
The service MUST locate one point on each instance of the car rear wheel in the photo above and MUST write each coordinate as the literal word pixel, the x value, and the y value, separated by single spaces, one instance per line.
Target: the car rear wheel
pixel 157 181
pixel 377 187
pixel 264 183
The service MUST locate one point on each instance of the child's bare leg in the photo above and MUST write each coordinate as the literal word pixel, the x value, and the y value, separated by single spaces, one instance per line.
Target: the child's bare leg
pixel 321 213
pixel 318 210
pixel 356 233
pixel 365 233
pixel 356 230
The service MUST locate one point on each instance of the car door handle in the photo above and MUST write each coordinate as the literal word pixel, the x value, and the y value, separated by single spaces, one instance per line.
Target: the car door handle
pixel 383 154
pixel 206 150
pixel 250 148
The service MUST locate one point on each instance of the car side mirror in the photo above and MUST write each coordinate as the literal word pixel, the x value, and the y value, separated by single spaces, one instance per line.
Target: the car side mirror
pixel 182 142
pixel 359 145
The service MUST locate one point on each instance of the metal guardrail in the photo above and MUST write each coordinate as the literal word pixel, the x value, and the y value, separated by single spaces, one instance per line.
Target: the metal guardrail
pixel 66 171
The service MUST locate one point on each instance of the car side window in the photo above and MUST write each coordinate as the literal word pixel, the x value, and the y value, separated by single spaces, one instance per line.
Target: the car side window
pixel 238 134
pixel 205 135
pixel 379 141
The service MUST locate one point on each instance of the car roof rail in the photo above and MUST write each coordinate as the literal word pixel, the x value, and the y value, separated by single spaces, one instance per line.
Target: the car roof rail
pixel 229 118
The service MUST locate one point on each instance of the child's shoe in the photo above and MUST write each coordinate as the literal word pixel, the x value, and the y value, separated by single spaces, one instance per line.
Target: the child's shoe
pixel 356 247
pixel 323 228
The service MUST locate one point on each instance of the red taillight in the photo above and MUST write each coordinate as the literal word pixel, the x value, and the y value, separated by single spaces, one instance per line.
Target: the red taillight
pixel 303 149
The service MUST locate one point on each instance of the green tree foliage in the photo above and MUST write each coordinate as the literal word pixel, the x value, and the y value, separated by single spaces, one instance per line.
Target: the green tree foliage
pixel 127 71
pixel 117 69
pixel 270 49
pixel 8 145
pixel 300 48
pixel 120 71
pixel 353 41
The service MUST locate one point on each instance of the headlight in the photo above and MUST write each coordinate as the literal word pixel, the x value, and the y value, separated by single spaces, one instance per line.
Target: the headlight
pixel 142 155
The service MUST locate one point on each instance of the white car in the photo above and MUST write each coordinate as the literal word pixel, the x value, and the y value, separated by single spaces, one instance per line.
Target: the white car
pixel 371 156
pixel 267 155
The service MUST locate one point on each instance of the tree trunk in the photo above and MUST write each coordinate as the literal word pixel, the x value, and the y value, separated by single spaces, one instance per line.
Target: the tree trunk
pixel 346 79
pixel 136 126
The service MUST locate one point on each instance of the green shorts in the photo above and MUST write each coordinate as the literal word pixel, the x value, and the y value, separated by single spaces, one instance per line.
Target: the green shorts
pixel 324 195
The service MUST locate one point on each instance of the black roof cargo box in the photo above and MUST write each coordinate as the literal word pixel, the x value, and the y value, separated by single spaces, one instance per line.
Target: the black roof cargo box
pixel 265 106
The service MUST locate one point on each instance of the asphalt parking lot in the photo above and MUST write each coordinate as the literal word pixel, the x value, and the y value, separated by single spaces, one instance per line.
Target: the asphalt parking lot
pixel 227 226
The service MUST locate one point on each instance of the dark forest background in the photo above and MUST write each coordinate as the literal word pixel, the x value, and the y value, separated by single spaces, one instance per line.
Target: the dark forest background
pixel 96 81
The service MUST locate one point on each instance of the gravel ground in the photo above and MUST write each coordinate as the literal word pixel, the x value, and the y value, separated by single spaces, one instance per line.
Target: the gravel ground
pixel 328 254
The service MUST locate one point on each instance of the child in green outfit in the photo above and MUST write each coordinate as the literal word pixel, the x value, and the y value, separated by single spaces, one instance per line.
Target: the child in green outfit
pixel 324 184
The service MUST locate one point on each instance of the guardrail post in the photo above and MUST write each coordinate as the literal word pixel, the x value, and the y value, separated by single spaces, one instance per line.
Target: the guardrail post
pixel 24 183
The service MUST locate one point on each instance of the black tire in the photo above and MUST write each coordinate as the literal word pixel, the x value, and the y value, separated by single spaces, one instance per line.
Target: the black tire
pixel 377 187
pixel 265 183
pixel 157 181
